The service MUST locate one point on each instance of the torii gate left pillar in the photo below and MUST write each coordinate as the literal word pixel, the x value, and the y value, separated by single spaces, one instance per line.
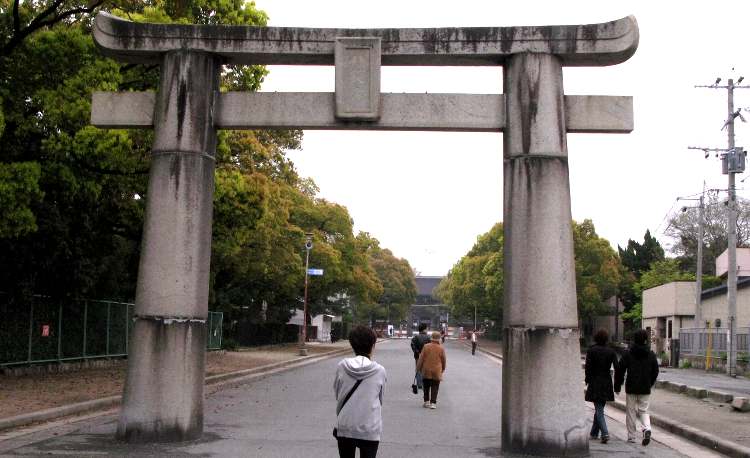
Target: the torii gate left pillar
pixel 542 408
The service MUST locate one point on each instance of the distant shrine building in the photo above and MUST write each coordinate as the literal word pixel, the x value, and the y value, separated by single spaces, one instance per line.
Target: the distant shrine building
pixel 427 308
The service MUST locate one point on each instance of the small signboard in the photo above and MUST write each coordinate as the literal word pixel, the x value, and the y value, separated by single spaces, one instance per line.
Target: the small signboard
pixel 314 271
pixel 45 330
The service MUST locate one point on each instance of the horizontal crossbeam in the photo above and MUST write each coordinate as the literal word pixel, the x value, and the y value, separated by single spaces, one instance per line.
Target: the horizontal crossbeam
pixel 316 110
pixel 607 43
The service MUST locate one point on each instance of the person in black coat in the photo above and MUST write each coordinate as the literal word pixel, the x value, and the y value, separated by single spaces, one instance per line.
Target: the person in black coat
pixel 641 367
pixel 599 360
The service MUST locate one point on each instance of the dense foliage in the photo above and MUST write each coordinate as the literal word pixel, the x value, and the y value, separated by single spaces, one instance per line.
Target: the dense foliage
pixel 683 231
pixel 477 279
pixel 72 196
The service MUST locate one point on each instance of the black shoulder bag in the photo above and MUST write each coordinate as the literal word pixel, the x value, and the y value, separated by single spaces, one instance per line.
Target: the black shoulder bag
pixel 348 395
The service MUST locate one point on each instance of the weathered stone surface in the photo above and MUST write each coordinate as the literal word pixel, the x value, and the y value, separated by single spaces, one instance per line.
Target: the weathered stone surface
pixel 535 112
pixel 598 114
pixel 576 45
pixel 183 116
pixel 696 392
pixel 315 110
pixel 539 269
pixel 163 398
pixel 176 250
pixel 543 410
pixel 358 78
pixel 123 110
pixel 676 387
pixel 720 396
pixel 741 404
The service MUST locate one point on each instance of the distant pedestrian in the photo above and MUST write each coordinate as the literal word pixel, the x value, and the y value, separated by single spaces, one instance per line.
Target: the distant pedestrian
pixel 431 365
pixel 639 369
pixel 359 386
pixel 417 344
pixel 599 361
pixel 473 342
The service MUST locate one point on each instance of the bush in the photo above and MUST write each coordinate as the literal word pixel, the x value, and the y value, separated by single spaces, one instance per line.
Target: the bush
pixel 229 344
pixel 250 334
pixel 685 364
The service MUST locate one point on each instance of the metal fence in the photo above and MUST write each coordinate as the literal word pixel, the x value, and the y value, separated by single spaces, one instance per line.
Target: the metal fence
pixel 43 330
pixel 712 342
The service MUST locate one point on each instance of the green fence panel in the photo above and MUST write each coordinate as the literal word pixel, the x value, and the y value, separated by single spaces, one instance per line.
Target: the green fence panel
pixel 45 330
pixel 72 329
pixel 118 328
pixel 14 330
pixel 215 330
pixel 41 329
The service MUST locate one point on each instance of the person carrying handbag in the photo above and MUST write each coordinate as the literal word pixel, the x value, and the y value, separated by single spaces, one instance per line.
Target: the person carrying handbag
pixel 359 386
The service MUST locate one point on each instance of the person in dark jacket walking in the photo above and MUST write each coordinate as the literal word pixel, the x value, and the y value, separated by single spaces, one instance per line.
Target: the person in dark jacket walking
pixel 638 368
pixel 417 344
pixel 599 360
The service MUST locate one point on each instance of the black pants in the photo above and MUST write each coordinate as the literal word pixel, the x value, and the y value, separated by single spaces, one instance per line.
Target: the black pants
pixel 431 390
pixel 347 446
pixel 473 347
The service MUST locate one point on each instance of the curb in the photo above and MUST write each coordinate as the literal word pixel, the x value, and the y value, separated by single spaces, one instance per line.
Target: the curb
pixel 695 435
pixel 214 382
pixel 695 391
pixel 483 350
pixel 690 433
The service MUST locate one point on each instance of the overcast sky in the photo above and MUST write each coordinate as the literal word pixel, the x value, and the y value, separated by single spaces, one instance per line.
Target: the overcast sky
pixel 427 196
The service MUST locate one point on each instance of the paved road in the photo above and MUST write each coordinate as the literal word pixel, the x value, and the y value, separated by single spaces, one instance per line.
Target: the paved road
pixel 291 413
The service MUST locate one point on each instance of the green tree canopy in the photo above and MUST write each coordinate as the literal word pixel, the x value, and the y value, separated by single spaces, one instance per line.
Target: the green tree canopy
pixel 476 280
pixel 72 197
pixel 598 270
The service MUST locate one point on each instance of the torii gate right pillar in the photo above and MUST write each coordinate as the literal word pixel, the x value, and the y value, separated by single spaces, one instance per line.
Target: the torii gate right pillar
pixel 542 408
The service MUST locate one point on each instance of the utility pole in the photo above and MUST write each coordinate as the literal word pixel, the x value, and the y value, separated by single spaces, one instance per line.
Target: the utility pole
pixel 698 318
pixel 698 321
pixel 303 334
pixel 733 161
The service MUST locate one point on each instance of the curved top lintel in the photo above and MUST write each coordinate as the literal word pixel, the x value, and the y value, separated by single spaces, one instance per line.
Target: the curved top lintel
pixel 601 44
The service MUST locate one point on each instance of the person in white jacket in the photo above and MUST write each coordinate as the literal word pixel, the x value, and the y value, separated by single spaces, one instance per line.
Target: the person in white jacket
pixel 359 386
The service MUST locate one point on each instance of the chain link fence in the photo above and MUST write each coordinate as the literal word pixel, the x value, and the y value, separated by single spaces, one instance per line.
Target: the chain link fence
pixel 44 330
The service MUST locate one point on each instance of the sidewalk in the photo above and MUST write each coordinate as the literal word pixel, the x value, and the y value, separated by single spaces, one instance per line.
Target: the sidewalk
pixel 706 422
pixel 715 381
pixel 34 398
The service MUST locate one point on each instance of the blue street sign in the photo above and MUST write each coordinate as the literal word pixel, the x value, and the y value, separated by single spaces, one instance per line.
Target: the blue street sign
pixel 314 271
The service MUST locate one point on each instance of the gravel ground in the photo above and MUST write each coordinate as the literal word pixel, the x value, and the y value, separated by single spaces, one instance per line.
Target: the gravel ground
pixel 29 393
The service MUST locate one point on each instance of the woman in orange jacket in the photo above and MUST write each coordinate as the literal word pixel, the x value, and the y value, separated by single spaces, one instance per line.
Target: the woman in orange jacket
pixel 431 365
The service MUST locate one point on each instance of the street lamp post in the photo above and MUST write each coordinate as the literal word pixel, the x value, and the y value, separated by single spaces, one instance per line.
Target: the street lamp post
pixel 303 334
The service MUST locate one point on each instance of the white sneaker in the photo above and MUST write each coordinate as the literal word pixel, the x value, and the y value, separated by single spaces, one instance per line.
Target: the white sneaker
pixel 426 405
pixel 433 406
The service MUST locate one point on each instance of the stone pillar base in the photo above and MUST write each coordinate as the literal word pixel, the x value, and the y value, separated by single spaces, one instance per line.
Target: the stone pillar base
pixel 163 399
pixel 543 408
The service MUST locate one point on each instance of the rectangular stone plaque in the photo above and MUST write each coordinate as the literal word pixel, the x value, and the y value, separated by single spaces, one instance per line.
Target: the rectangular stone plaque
pixel 357 78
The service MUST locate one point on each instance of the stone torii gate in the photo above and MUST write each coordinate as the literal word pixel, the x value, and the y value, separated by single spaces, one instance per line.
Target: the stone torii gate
pixel 542 406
